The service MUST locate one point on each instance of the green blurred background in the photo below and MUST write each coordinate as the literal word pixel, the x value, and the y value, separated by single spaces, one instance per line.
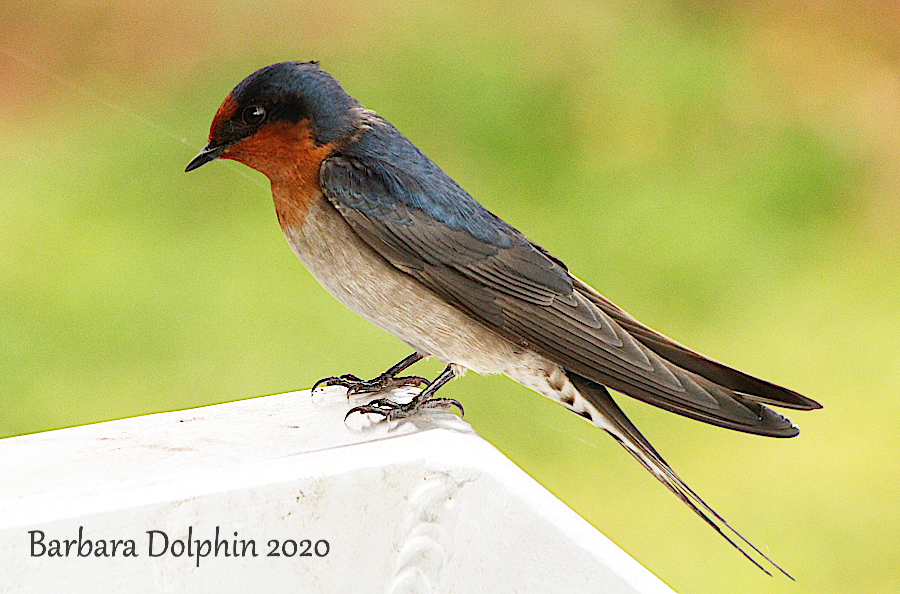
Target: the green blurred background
pixel 728 174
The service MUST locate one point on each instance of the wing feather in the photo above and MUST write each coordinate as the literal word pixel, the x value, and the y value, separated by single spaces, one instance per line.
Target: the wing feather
pixel 488 269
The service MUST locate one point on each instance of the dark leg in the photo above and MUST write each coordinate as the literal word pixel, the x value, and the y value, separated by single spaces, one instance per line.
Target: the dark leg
pixel 386 380
pixel 391 410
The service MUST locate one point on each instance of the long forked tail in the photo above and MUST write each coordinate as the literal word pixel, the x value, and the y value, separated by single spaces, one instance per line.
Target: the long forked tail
pixel 611 418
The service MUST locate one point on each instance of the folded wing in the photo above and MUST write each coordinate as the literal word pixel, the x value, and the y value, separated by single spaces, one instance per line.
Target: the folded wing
pixel 430 228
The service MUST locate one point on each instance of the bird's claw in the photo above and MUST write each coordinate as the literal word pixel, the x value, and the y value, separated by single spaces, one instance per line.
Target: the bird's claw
pixel 391 410
pixel 345 380
pixel 356 385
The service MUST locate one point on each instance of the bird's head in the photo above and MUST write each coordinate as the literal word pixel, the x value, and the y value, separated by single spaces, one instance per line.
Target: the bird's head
pixel 277 117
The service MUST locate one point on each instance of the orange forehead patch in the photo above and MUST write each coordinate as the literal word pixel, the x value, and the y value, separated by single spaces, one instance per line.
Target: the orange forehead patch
pixel 226 112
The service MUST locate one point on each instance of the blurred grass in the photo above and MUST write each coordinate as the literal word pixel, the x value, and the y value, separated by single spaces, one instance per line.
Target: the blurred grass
pixel 724 173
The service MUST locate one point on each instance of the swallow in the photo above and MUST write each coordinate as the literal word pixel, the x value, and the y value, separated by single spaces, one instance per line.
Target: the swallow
pixel 392 237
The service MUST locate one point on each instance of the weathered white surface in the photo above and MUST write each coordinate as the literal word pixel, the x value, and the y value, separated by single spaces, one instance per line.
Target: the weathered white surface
pixel 422 505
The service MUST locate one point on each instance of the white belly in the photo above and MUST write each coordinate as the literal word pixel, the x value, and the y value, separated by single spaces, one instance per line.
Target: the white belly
pixel 367 284
pixel 370 286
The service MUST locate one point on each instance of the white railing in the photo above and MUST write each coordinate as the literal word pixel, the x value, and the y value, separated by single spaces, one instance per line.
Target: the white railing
pixel 278 494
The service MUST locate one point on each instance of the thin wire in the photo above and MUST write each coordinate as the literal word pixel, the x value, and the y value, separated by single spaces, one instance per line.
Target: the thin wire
pixel 130 113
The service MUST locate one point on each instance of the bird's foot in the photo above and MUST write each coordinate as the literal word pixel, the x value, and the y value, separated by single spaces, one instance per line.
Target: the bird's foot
pixel 385 381
pixel 391 410
pixel 356 385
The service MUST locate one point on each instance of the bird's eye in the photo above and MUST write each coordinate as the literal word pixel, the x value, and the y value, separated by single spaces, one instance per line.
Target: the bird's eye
pixel 253 115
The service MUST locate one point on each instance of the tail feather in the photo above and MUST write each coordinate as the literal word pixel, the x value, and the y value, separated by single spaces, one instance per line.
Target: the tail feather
pixel 606 414
pixel 682 357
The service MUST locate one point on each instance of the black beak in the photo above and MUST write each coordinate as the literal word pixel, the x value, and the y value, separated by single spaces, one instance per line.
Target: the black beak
pixel 208 154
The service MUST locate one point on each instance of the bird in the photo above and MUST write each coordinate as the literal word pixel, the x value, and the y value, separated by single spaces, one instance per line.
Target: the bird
pixel 393 238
